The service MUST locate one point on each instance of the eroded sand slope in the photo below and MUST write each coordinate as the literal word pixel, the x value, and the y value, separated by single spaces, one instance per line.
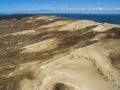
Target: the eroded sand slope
pixel 52 53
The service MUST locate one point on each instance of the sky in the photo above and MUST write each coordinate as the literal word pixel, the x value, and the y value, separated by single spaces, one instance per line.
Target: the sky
pixel 59 6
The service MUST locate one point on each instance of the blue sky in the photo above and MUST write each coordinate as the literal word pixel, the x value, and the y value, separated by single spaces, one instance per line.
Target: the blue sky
pixel 15 6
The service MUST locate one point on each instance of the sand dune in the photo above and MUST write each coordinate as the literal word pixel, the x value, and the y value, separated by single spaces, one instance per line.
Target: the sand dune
pixel 52 53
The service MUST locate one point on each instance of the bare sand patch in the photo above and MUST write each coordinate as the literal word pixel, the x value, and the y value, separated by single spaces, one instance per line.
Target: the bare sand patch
pixel 55 24
pixel 45 45
pixel 104 27
pixel 23 68
pixel 78 25
pixel 25 32
pixel 46 18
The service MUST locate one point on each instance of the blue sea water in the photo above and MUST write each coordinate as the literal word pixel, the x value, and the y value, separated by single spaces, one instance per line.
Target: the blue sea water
pixel 103 18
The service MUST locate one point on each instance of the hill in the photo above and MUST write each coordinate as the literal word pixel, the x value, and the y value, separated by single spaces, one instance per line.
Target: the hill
pixel 53 53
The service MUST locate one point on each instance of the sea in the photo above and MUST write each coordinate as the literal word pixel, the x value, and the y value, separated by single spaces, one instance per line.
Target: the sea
pixel 103 18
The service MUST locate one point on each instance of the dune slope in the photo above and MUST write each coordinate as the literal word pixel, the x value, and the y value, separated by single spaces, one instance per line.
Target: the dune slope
pixel 52 53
